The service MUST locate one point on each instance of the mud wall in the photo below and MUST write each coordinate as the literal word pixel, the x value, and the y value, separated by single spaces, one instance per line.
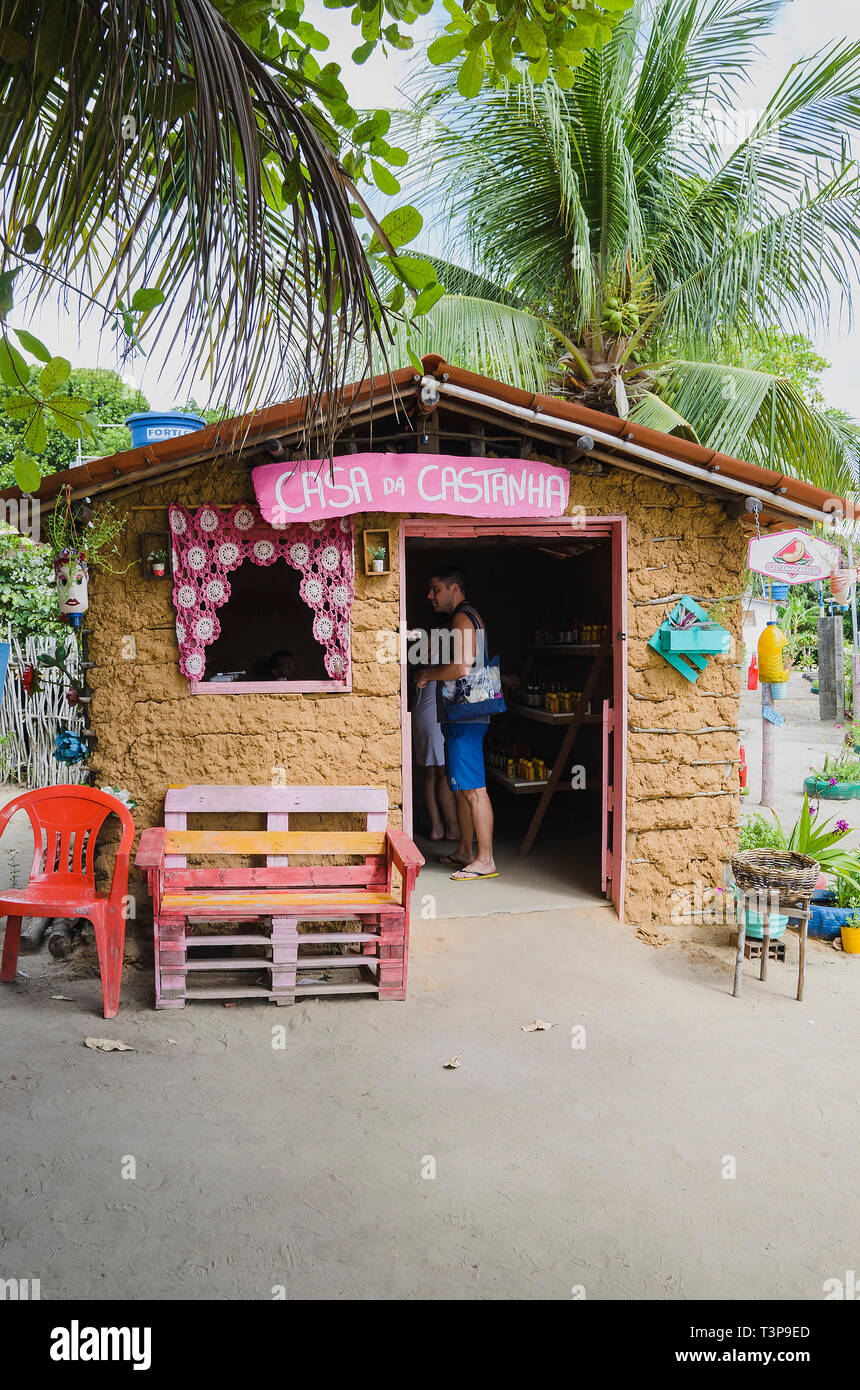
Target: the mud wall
pixel 683 796
pixel 682 786
pixel 153 733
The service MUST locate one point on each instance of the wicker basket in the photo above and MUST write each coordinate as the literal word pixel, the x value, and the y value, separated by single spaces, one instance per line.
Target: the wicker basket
pixel 775 871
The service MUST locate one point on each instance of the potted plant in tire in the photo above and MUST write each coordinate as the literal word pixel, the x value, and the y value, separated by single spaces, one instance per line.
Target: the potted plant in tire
pixel 158 563
pixel 838 779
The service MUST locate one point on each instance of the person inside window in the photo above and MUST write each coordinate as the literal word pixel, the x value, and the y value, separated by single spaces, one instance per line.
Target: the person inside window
pixel 282 665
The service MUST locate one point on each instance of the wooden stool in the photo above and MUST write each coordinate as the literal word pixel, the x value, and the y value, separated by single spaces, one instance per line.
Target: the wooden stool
pixel 796 908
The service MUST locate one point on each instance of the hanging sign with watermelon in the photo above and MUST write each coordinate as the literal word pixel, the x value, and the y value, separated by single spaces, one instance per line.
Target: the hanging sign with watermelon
pixel 792 557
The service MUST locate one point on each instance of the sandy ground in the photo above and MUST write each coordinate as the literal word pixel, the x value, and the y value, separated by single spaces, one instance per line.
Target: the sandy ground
pixel 555 1165
pixel 349 1163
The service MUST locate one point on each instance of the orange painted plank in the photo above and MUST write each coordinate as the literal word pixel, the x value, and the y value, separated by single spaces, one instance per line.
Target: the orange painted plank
pixel 285 901
pixel 274 842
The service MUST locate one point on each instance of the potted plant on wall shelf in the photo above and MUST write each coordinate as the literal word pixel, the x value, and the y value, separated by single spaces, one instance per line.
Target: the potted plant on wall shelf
pixel 689 629
pixel 79 538
pixel 158 561
pixel 378 556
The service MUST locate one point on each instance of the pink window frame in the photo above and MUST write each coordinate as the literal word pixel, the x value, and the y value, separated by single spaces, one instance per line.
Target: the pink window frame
pixel 327 687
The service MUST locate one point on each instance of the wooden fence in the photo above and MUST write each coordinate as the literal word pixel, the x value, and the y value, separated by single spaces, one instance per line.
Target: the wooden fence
pixel 30 723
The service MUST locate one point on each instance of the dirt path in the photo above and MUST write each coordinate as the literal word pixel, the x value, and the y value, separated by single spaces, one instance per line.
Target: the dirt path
pixel 555 1166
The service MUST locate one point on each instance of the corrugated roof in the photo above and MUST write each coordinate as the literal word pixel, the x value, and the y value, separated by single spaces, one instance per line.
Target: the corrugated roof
pixel 250 431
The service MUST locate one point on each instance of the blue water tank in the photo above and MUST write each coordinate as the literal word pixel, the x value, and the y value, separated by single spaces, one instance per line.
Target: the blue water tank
pixel 151 426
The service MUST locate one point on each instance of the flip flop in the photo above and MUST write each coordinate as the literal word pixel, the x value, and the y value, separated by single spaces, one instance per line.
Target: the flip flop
pixel 466 875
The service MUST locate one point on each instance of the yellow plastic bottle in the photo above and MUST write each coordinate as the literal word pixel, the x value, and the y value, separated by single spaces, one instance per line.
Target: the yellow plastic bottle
pixel 771 669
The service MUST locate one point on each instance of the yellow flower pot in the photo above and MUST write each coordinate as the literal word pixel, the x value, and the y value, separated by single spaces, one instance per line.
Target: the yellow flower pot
pixel 850 939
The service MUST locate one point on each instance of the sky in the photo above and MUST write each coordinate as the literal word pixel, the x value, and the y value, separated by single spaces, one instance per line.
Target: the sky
pixel 804 27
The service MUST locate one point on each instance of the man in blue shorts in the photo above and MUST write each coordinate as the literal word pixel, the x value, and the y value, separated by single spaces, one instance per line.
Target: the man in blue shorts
pixel 464 741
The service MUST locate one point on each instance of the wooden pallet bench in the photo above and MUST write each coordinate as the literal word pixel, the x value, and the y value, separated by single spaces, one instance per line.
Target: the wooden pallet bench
pixel 277 896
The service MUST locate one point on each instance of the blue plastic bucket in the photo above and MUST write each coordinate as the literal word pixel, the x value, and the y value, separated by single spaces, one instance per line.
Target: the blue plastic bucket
pixel 825 918
pixel 755 925
pixel 779 690
pixel 780 593
pixel 152 426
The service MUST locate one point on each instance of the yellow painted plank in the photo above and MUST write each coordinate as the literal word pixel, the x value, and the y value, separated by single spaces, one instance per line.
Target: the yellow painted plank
pixel 275 901
pixel 274 842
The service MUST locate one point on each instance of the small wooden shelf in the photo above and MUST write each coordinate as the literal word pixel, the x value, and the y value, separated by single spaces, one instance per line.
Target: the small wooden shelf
pixel 545 716
pixel 372 539
pixel 521 786
pixel 156 540
pixel 565 649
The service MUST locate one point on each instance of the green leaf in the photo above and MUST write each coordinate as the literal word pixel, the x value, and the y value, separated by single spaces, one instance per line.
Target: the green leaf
pixel 31 238
pixel 531 36
pixel 470 78
pixel 55 375
pixel 397 299
pixel 400 225
pixel 396 156
pixel 146 299
pixel 7 280
pixel 13 368
pixel 363 52
pixel 36 434
pixel 312 36
pixel 27 475
pixel 427 298
pixel 70 410
pixel 539 71
pixel 18 406
pixel 32 344
pixel 13 46
pixel 443 49
pixel 383 178
pixel 414 271
pixel 415 360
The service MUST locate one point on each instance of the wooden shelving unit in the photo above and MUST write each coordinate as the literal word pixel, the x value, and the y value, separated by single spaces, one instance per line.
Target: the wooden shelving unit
pixel 572 722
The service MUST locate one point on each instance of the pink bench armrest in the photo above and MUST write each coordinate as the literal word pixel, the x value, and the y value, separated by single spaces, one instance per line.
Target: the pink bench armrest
pixel 404 852
pixel 150 851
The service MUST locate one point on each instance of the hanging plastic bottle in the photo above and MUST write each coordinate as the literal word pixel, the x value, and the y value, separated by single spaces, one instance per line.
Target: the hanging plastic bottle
pixel 771 670
pixel 742 772
pixel 752 673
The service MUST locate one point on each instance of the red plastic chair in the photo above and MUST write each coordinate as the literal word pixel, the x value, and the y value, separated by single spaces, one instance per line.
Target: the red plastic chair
pixel 66 822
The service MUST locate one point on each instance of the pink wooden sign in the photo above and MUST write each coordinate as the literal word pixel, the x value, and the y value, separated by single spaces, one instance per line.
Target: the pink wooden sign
pixel 447 483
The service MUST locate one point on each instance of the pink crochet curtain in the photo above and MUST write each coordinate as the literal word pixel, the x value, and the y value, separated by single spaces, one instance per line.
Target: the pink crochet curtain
pixel 209 544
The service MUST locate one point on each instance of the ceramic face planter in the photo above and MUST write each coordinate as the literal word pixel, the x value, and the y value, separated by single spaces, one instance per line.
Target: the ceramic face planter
pixel 72 576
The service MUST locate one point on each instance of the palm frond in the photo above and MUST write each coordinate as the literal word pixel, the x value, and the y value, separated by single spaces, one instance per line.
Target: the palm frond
pixel 151 144
pixel 657 414
pixel 763 418
pixel 484 336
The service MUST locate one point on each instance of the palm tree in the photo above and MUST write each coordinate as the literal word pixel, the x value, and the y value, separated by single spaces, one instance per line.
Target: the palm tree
pixel 615 246
pixel 145 143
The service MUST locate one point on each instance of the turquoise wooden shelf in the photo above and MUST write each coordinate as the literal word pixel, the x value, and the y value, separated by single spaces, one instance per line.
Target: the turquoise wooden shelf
pixel 688 649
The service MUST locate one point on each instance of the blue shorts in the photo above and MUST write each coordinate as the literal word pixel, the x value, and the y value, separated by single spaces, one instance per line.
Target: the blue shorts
pixel 464 755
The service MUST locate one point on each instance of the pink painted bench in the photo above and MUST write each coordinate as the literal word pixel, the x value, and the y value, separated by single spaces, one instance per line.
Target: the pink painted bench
pixel 278 895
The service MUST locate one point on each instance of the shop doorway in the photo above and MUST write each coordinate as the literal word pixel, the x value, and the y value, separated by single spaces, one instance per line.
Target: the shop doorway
pixel 553 598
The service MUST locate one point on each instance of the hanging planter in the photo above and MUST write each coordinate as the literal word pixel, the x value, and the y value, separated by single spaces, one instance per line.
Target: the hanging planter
pixel 81 538
pixel 72 577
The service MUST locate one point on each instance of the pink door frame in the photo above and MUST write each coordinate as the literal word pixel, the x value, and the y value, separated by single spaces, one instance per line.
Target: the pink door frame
pixel 613 527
